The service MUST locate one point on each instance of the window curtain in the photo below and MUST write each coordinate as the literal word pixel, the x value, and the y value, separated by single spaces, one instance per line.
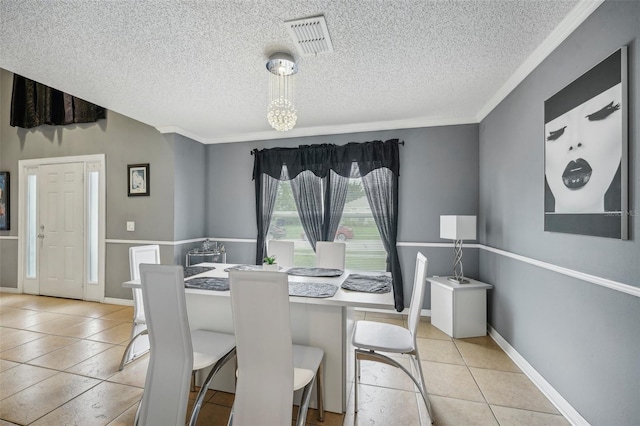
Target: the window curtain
pixel 381 188
pixel 266 191
pixel 33 104
pixel 321 160
pixel 335 198
pixel 307 194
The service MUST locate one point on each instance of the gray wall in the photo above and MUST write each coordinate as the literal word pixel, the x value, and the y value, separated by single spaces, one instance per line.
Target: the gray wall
pixel 189 197
pixel 123 141
pixel 583 338
pixel 438 175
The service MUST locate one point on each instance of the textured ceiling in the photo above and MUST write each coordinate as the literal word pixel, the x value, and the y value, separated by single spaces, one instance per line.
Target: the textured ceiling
pixel 198 67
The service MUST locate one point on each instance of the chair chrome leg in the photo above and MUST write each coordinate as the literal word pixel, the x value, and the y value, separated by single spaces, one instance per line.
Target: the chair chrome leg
pixel 374 356
pixel 356 376
pixel 135 421
pixel 205 385
pixel 320 392
pixel 193 381
pixel 304 403
pixel 230 421
pixel 127 350
pixel 423 388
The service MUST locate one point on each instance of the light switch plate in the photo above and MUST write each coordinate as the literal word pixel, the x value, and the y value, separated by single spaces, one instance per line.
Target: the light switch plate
pixel 131 226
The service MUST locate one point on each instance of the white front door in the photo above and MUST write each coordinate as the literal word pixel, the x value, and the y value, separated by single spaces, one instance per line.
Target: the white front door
pixel 61 230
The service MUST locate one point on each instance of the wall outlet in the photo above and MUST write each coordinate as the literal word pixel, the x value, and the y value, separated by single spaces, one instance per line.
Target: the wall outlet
pixel 131 226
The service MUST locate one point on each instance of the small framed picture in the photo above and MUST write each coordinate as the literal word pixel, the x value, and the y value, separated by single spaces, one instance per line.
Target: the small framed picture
pixel 4 201
pixel 138 179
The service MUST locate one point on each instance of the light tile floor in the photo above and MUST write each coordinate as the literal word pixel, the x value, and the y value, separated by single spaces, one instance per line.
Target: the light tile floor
pixel 59 365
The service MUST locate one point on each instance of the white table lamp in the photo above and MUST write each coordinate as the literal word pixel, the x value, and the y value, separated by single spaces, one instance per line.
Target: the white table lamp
pixel 458 228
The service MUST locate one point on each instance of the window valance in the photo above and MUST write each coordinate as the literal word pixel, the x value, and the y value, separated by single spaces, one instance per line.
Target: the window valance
pixel 320 159
pixel 33 104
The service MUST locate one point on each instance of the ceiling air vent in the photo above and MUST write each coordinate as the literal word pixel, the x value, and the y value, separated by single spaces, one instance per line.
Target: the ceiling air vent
pixel 310 35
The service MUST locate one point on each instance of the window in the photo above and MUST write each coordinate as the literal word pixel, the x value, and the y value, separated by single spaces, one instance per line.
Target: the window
pixel 357 229
pixel 32 226
pixel 92 226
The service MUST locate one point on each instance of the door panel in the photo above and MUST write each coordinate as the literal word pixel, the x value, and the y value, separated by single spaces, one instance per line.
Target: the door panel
pixel 61 235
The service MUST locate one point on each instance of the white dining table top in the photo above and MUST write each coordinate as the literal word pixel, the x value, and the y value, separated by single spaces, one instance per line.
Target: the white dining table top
pixel 342 297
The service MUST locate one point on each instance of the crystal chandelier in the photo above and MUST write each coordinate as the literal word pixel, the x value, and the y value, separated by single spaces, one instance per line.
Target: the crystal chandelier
pixel 281 112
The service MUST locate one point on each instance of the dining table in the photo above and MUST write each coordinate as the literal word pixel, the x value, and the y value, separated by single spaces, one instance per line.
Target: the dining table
pixel 318 318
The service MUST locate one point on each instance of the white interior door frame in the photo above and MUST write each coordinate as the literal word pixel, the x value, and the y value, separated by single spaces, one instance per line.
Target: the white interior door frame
pixel 94 290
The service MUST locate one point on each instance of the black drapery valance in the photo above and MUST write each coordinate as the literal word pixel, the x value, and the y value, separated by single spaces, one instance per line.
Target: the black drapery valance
pixel 33 104
pixel 320 159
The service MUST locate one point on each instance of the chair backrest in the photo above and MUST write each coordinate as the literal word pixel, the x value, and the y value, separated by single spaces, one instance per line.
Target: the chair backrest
pixel 419 284
pixel 166 389
pixel 142 254
pixel 264 389
pixel 330 254
pixel 138 255
pixel 283 251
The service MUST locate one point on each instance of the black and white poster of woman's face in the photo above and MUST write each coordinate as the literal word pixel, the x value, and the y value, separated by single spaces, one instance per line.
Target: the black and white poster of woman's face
pixel 583 153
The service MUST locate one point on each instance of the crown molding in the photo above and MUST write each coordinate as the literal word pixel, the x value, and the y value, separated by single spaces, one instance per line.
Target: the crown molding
pixel 323 130
pixel 568 25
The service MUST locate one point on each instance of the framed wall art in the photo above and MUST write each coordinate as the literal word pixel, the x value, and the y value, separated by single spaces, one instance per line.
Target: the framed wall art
pixel 585 153
pixel 138 179
pixel 4 201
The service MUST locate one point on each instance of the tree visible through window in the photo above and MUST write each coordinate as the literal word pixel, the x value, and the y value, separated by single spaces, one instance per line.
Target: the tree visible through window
pixel 357 229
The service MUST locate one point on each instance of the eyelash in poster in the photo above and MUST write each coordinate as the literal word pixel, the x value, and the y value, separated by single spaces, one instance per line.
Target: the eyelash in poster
pixel 604 112
pixel 556 134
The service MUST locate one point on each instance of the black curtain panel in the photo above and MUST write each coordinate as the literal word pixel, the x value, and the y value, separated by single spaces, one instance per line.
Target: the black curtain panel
pixel 33 104
pixel 378 163
pixel 381 188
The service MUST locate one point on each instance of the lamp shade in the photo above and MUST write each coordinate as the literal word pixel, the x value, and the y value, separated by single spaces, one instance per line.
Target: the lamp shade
pixel 458 227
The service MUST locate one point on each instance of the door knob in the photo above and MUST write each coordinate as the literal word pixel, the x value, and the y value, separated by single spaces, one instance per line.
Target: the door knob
pixel 41 234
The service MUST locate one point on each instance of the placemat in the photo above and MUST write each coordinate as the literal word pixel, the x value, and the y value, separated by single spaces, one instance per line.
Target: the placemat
pixel 190 271
pixel 312 289
pixel 315 272
pixel 208 283
pixel 247 268
pixel 368 283
pixel 295 289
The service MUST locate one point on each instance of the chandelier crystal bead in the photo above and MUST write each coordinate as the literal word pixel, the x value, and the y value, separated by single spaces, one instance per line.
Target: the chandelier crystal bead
pixel 281 112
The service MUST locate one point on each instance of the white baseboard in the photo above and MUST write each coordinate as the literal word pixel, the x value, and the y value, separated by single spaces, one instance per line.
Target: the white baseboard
pixel 554 396
pixel 115 301
pixel 9 290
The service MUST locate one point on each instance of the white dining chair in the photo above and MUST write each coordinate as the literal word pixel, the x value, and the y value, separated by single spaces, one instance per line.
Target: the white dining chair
pixel 330 254
pixel 283 251
pixel 370 338
pixel 139 342
pixel 175 350
pixel 270 367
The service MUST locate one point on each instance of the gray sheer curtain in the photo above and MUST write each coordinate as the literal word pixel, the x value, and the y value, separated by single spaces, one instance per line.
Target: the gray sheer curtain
pixel 307 193
pixel 319 223
pixel 381 188
pixel 266 191
pixel 334 200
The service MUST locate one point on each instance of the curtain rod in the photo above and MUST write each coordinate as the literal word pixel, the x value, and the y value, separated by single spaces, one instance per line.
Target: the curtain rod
pixel 255 149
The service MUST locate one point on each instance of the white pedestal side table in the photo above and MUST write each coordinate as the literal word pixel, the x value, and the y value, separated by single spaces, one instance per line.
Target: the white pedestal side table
pixel 460 310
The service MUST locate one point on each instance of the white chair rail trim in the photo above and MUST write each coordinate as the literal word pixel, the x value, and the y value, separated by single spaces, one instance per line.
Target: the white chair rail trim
pixel 593 279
